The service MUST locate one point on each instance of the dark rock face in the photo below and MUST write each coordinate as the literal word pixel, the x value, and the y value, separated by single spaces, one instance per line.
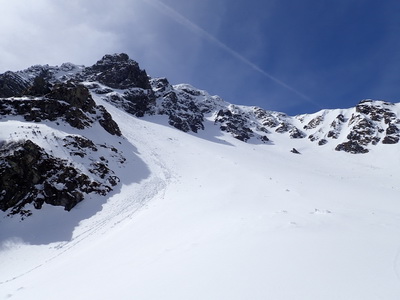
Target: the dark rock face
pixel 183 115
pixel 75 94
pixel 139 102
pixel 336 126
pixel 107 122
pixel 322 142
pixel 30 175
pixel 44 109
pixel 351 147
pixel 293 131
pixel 11 84
pixel 314 122
pixel 296 133
pixel 266 119
pixel 363 130
pixel 372 121
pixel 81 146
pixel 183 109
pixel 136 101
pixel 376 112
pixel 392 129
pixel 283 127
pixel 247 124
pixel 40 86
pixel 119 72
pixel 390 140
pixel 234 123
pixel 69 102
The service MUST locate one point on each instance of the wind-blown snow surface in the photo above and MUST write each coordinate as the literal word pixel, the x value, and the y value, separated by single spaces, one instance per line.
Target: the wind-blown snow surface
pixel 211 217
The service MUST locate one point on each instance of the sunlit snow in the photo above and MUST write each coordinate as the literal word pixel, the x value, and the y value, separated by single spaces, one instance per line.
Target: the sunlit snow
pixel 205 216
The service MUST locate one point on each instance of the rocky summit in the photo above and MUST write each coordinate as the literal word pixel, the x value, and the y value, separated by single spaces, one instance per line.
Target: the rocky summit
pixel 64 146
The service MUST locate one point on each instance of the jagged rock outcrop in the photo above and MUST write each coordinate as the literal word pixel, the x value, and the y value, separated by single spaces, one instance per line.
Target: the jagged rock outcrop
pixel 351 146
pixel 120 72
pixel 117 71
pixel 314 122
pixel 336 127
pixel 68 102
pixel 179 105
pixel 40 86
pixel 235 123
pixel 371 123
pixel 135 101
pixel 11 84
pixel 29 175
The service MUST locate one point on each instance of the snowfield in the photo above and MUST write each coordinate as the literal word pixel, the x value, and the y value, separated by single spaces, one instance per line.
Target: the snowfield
pixel 206 216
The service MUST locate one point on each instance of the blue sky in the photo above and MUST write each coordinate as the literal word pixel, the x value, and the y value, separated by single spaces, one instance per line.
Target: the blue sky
pixel 288 55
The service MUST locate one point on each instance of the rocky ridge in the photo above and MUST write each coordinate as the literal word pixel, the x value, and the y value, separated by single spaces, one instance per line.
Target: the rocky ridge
pixel 63 95
pixel 187 108
pixel 120 81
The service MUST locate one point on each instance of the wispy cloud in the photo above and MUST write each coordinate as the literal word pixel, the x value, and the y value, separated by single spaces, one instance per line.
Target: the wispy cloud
pixel 176 16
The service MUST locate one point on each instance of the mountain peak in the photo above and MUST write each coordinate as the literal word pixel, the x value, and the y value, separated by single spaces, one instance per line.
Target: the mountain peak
pixel 116 57
pixel 118 71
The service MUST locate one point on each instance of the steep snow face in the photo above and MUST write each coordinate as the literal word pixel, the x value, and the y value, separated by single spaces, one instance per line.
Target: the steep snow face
pixel 239 203
pixel 211 217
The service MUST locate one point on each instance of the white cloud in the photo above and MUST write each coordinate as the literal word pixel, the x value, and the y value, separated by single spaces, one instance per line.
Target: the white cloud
pixel 44 31
pixel 82 31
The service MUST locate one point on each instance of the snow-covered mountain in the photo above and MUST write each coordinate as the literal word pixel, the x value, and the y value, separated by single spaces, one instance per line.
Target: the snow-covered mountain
pixel 117 185
pixel 120 81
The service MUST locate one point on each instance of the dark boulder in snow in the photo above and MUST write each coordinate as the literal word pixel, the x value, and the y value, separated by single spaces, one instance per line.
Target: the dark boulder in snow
pixel 295 151
pixel 390 140
pixel 351 147
pixel 322 142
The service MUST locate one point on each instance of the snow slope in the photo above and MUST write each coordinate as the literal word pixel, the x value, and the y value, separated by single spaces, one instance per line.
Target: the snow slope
pixel 206 216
